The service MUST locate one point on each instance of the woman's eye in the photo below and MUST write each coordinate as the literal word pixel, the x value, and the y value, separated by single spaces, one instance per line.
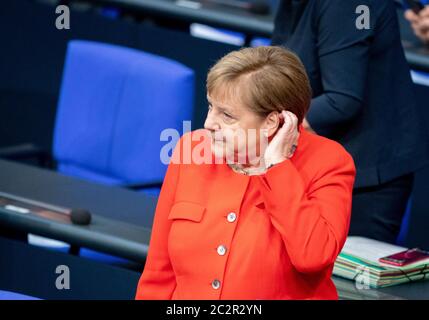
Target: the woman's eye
pixel 227 115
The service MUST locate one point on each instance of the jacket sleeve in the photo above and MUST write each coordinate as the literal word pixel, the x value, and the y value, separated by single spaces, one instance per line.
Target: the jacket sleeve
pixel 313 220
pixel 343 52
pixel 158 279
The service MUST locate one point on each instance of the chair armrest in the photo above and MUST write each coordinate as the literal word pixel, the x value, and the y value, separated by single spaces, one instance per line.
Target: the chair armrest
pixel 27 151
pixel 138 186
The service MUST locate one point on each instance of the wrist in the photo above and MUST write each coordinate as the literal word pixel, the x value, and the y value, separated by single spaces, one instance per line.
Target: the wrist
pixel 272 162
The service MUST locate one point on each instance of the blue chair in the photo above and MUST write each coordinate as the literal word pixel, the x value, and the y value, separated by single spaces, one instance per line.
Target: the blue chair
pixel 114 104
pixel 8 295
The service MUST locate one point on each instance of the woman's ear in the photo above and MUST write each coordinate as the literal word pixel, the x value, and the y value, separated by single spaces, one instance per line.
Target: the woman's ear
pixel 273 122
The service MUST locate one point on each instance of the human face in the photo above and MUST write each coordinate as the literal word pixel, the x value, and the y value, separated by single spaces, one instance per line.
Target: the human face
pixel 237 133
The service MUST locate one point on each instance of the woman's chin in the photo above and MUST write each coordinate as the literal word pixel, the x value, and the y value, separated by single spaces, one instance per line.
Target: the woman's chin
pixel 218 152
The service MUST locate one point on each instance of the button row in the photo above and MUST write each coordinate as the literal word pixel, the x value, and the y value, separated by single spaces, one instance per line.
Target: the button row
pixel 221 250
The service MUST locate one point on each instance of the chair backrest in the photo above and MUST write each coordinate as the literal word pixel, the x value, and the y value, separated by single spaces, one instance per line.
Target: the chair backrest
pixel 114 104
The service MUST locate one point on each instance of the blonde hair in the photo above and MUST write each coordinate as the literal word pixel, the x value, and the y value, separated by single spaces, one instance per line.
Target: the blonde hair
pixel 265 79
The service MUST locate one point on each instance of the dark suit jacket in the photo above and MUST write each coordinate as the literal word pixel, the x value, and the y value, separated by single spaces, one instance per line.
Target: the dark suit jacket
pixel 362 89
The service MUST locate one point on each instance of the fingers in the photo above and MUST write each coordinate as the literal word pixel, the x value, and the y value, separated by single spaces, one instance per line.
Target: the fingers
pixel 424 25
pixel 422 31
pixel 421 28
pixel 411 16
pixel 290 121
pixel 425 37
pixel 284 143
pixel 419 22
pixel 291 124
pixel 424 13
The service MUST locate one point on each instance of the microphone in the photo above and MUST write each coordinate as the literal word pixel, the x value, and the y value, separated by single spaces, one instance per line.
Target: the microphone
pixel 255 6
pixel 80 216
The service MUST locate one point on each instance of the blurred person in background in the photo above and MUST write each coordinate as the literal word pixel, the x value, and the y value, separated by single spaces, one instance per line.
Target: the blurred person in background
pixel 363 98
pixel 419 22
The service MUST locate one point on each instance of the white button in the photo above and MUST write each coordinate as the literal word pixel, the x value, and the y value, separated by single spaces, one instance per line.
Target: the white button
pixel 221 250
pixel 231 217
pixel 216 284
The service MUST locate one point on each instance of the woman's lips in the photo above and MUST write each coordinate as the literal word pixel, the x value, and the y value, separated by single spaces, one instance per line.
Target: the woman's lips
pixel 218 140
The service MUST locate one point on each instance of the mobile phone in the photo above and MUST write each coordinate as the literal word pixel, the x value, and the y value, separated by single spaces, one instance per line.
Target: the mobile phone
pixel 415 5
pixel 405 257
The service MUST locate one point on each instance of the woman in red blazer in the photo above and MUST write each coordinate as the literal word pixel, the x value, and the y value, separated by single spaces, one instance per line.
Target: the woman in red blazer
pixel 268 225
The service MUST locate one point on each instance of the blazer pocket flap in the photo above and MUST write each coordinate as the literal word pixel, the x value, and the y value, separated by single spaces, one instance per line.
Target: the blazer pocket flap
pixel 187 210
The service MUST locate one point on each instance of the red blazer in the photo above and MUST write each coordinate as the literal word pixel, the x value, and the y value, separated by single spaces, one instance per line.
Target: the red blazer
pixel 218 234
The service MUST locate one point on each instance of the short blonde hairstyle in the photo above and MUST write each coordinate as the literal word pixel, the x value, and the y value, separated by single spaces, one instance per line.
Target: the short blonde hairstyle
pixel 265 79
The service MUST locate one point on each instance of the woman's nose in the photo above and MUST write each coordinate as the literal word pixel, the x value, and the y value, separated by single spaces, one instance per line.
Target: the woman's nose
pixel 211 123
